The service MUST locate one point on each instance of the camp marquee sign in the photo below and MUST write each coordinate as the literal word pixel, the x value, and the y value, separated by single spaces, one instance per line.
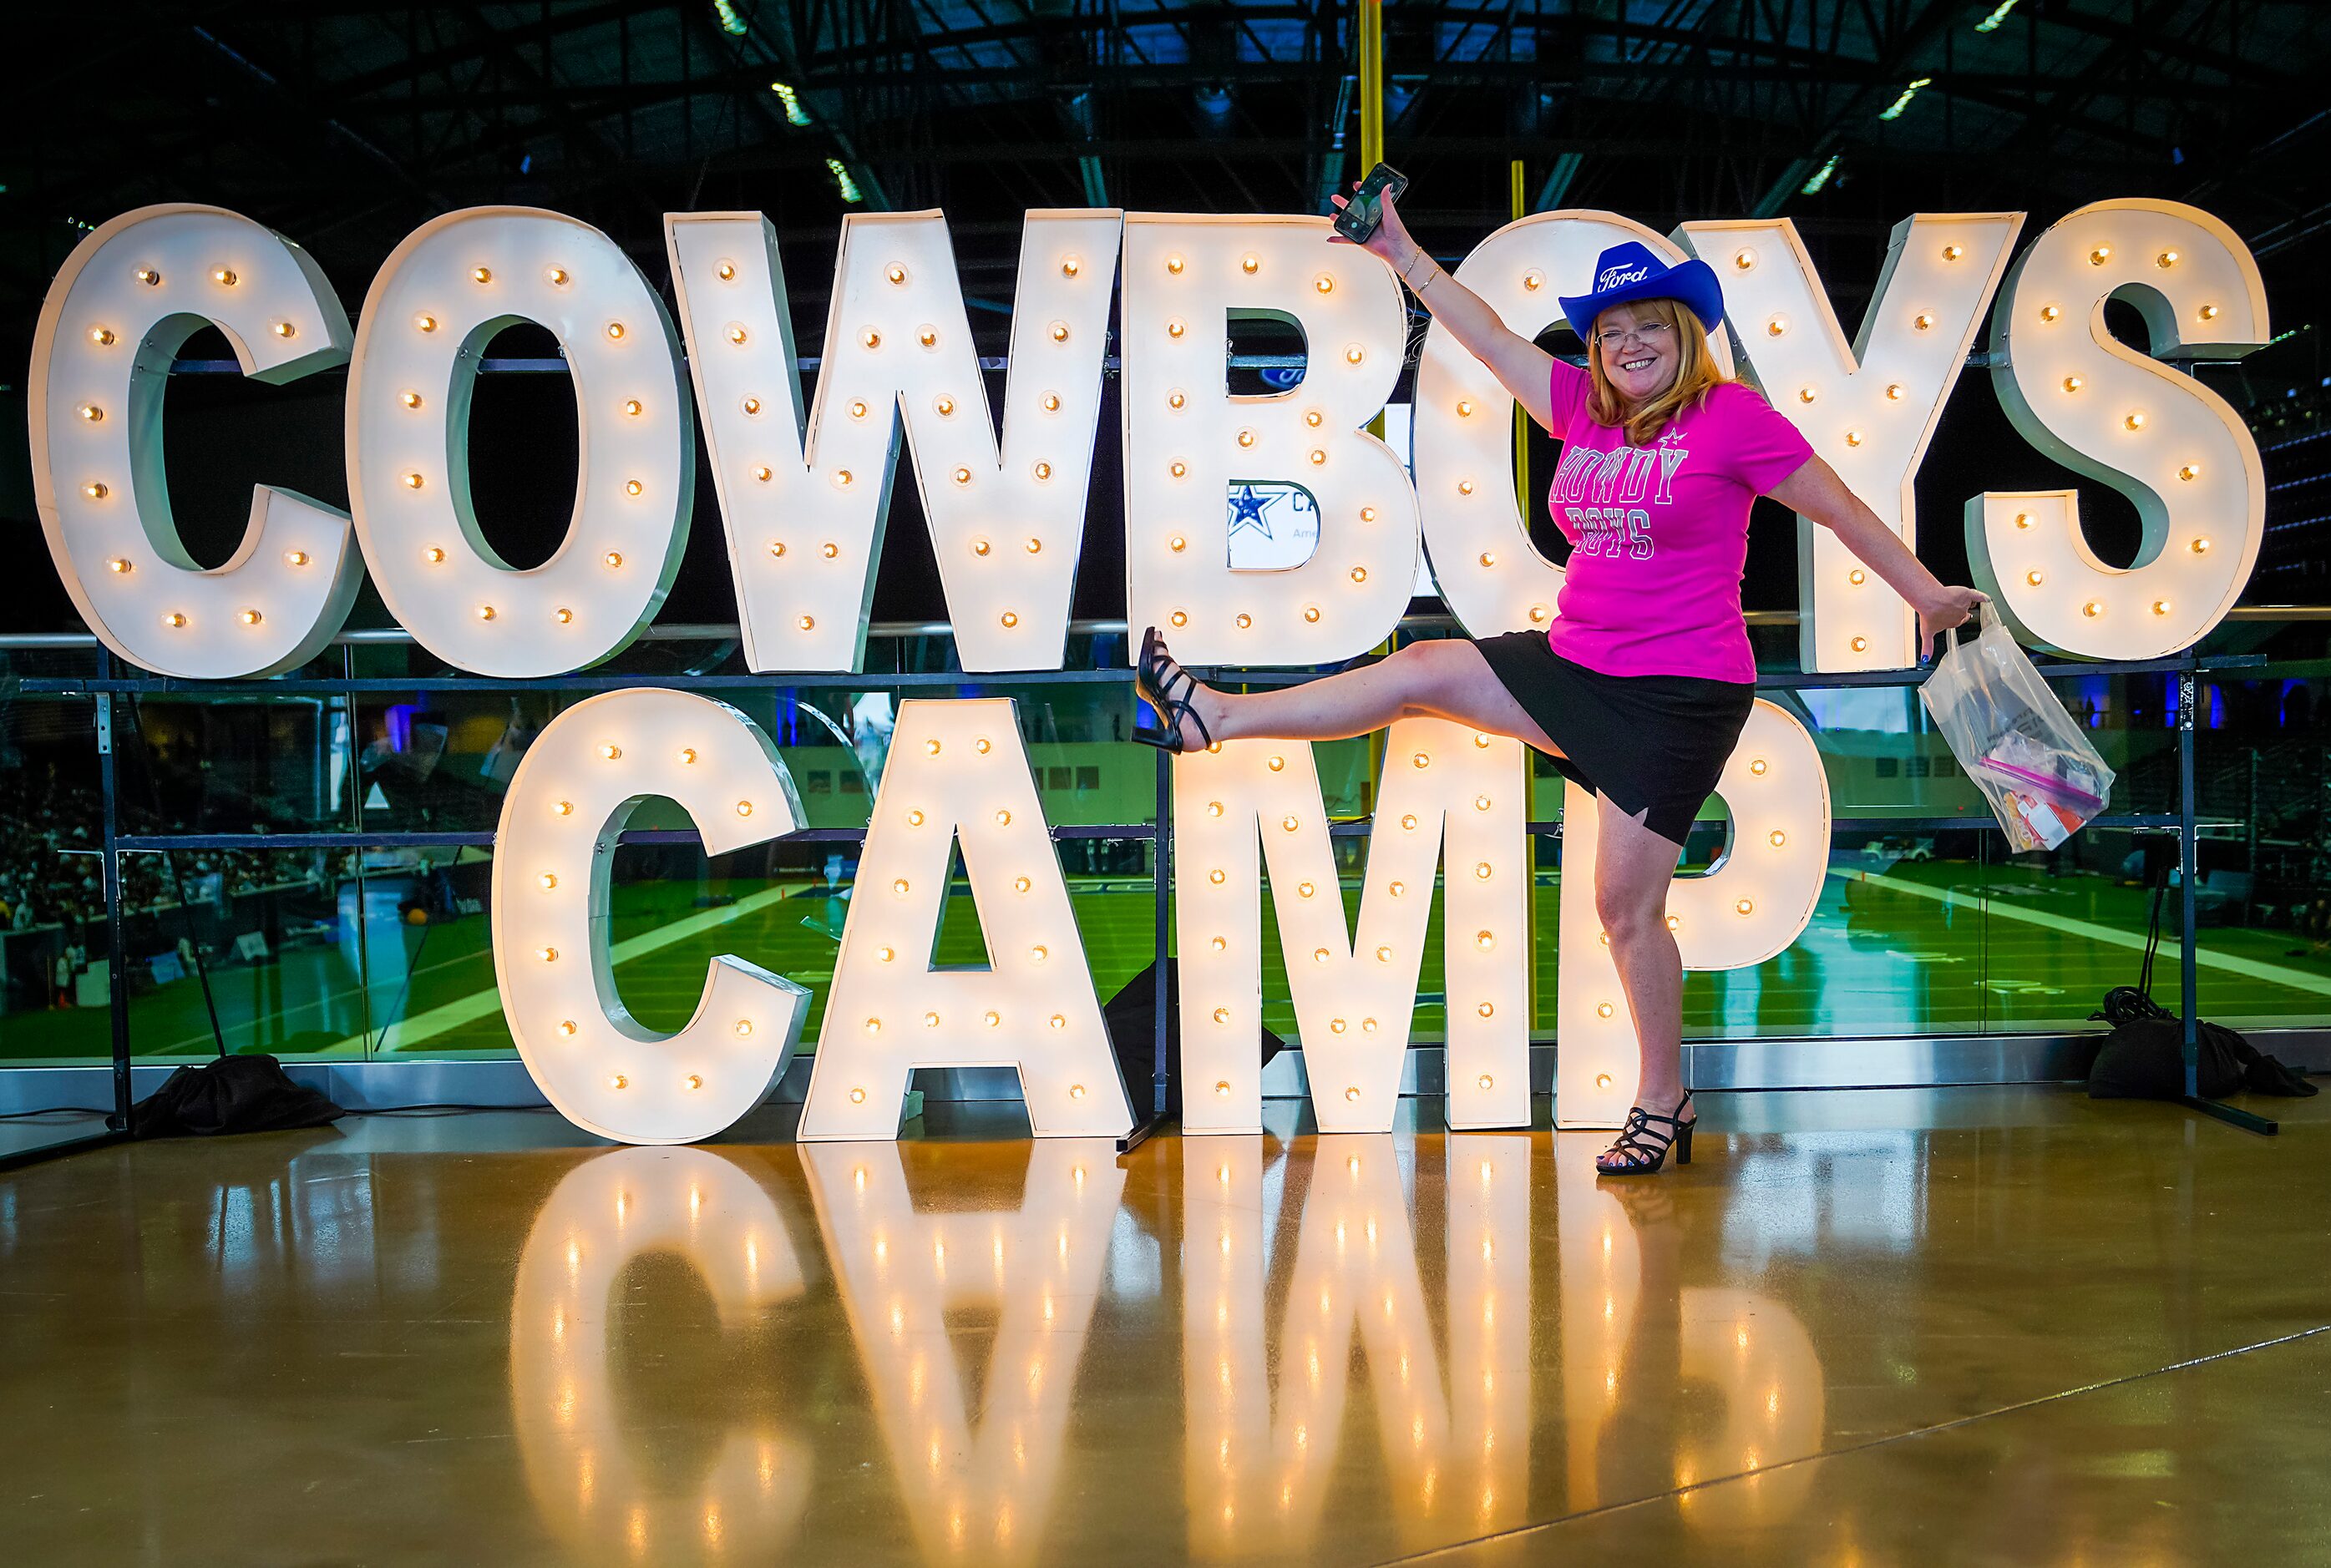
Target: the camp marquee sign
pixel 805 487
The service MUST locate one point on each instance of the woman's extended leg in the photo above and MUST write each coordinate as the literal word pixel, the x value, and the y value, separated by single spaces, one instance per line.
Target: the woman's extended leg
pixel 1435 679
pixel 1633 866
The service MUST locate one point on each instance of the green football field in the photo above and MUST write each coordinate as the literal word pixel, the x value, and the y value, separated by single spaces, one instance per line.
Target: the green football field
pixel 1931 947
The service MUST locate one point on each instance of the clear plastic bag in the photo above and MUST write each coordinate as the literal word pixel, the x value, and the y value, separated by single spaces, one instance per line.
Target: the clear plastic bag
pixel 2027 754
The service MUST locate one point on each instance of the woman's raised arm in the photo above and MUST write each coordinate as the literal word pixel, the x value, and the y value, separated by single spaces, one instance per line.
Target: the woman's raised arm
pixel 1520 366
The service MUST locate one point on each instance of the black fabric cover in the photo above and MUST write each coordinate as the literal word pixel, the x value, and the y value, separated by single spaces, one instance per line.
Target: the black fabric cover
pixel 234 1094
pixel 1131 1016
pixel 2144 1058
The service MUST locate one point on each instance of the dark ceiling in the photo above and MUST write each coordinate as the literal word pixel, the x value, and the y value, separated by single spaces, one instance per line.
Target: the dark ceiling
pixel 344 124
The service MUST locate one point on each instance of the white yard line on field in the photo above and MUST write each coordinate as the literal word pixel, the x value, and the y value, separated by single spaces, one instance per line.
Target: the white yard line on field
pixel 408 1032
pixel 2249 968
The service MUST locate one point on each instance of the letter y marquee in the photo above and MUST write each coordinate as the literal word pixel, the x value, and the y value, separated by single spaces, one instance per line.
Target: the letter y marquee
pixel 1869 410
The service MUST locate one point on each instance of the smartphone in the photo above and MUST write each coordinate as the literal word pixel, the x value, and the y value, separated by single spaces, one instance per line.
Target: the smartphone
pixel 1364 210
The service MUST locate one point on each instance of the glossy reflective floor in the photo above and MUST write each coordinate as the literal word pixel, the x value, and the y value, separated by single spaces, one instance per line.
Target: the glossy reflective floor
pixel 1970 1326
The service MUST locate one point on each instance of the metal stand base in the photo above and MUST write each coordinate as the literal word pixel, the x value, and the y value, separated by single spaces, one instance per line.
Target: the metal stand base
pixel 24 1157
pixel 1141 1132
pixel 2233 1116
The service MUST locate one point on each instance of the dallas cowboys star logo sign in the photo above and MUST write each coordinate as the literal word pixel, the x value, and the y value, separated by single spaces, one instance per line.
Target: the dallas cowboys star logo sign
pixel 1247 510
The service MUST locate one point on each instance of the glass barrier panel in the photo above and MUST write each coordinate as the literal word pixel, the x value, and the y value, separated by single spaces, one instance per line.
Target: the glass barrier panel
pixel 243 950
pixel 427 948
pixel 235 764
pixel 55 967
pixel 55 962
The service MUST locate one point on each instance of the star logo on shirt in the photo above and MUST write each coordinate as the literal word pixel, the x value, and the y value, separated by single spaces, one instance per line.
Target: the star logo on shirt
pixel 1247 510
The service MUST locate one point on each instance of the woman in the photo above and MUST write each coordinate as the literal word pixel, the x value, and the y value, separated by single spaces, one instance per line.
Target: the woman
pixel 1639 690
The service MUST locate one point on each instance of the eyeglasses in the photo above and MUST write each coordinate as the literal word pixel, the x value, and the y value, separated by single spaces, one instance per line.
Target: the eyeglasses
pixel 1645 332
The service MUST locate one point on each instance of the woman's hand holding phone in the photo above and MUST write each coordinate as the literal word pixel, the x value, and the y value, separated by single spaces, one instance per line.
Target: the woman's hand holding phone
pixel 1390 240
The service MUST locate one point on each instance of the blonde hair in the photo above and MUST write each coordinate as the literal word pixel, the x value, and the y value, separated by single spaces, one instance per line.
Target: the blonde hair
pixel 1697 375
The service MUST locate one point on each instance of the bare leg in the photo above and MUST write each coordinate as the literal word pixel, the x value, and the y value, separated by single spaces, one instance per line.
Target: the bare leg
pixel 1632 868
pixel 1436 679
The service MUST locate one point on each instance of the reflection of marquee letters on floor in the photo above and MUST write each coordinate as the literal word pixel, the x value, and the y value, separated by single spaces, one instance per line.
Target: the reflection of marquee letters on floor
pixel 1455 1427
pixel 588 1482
pixel 977 1483
pixel 1636 1339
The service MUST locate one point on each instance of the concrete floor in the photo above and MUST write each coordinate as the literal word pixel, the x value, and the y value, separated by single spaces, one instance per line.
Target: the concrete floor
pixel 1967 1325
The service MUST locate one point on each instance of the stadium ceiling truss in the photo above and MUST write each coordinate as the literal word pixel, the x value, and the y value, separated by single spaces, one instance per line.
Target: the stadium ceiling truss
pixel 344 123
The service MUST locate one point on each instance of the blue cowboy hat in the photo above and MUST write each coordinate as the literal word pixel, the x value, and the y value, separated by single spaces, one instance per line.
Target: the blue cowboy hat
pixel 1631 272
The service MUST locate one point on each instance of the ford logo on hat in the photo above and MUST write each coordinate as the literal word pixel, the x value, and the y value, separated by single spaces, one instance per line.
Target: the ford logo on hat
pixel 1631 272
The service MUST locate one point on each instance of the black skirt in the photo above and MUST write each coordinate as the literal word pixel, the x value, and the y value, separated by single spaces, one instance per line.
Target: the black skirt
pixel 1653 743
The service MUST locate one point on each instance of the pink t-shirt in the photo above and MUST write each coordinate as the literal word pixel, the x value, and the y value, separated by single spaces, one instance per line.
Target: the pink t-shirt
pixel 1661 532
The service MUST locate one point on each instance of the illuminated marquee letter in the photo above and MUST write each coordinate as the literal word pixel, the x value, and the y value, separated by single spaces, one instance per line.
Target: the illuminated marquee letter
pixel 983 1479
pixel 806 512
pixel 2171 445
pixel 130 295
pixel 583 1463
pixel 1492 576
pixel 1262 1460
pixel 554 856
pixel 1751 905
pixel 440 300
pixel 958 771
pixel 1869 410
pixel 1353 995
pixel 1188 441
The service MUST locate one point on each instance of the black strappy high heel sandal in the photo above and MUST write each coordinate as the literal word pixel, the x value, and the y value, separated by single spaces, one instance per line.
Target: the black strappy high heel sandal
pixel 1154 681
pixel 1642 1151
